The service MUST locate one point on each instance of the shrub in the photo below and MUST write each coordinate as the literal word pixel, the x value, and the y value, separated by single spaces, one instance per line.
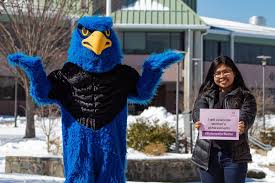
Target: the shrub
pixel 143 133
pixel 155 149
pixel 268 136
pixel 257 174
pixel 49 126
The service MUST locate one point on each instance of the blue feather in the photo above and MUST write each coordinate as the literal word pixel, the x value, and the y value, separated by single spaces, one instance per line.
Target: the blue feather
pixel 146 87
pixel 81 145
pixel 87 59
pixel 32 66
pixel 163 60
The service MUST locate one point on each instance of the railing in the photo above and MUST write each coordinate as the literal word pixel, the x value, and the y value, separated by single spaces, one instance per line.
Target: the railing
pixel 256 142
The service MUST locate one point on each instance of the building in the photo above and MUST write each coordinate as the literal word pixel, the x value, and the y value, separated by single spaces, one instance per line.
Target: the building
pixel 7 93
pixel 150 26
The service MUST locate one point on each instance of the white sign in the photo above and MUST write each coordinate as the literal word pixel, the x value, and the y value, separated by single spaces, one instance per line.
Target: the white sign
pixel 219 124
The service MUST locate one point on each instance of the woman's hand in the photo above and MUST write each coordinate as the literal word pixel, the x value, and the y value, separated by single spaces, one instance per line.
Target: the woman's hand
pixel 197 125
pixel 241 127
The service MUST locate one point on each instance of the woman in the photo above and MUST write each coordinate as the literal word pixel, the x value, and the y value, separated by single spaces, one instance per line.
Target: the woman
pixel 224 88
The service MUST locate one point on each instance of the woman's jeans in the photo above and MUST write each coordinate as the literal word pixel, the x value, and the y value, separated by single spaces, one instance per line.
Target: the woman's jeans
pixel 223 170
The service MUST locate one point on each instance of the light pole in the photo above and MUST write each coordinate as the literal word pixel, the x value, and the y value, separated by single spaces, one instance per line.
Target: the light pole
pixel 264 61
pixel 197 80
pixel 15 99
pixel 177 102
pixel 177 108
pixel 196 86
pixel 108 7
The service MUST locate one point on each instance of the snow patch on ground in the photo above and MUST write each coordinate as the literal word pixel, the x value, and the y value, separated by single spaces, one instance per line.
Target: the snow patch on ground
pixel 12 143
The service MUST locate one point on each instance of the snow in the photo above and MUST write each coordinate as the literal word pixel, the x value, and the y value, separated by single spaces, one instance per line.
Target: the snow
pixel 158 115
pixel 146 5
pixel 24 178
pixel 12 143
pixel 269 119
pixel 133 154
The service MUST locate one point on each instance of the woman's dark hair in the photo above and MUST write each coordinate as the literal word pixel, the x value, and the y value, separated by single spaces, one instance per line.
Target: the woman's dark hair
pixel 209 83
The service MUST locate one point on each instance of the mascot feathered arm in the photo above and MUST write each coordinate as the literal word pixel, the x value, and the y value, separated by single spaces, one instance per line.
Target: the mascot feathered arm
pixel 153 68
pixel 32 66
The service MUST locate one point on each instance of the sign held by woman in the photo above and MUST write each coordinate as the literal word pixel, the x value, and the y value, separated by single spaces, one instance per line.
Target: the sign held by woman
pixel 219 124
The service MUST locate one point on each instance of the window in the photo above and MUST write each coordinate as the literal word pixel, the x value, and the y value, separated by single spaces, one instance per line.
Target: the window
pixel 7 89
pixel 148 42
pixel 225 48
pixel 213 49
pixel 176 41
pixel 157 42
pixel 120 37
pixel 134 42
pixel 247 53
pixel 269 51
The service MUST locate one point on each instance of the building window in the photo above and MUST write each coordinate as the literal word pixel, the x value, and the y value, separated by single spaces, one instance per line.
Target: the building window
pixel 7 89
pixel 148 42
pixel 247 53
pixel 134 42
pixel 120 37
pixel 157 42
pixel 176 41
pixel 213 49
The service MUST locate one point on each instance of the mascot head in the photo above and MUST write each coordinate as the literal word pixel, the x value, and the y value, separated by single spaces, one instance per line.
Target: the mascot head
pixel 94 45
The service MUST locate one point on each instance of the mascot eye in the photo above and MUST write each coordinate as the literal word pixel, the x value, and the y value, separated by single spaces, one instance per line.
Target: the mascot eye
pixel 84 32
pixel 108 33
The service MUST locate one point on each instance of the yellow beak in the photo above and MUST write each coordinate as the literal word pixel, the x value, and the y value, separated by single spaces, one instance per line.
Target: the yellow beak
pixel 97 42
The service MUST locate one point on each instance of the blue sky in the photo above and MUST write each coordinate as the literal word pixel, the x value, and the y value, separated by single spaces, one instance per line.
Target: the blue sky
pixel 238 10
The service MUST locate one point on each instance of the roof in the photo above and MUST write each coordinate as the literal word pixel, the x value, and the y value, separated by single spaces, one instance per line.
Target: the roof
pixel 221 26
pixel 153 14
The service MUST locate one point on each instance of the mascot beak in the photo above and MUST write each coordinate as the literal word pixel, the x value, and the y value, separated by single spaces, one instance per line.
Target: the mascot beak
pixel 97 42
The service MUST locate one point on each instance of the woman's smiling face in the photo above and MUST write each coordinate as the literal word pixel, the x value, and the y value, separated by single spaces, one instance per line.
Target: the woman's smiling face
pixel 224 77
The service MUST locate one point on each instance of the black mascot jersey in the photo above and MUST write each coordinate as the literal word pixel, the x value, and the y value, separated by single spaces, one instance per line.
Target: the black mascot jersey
pixel 93 99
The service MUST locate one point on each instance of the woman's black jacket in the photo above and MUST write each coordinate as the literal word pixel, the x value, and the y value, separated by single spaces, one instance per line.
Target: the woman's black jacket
pixel 236 99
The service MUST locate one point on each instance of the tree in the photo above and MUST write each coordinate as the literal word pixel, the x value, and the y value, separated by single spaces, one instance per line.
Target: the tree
pixel 258 94
pixel 49 119
pixel 38 28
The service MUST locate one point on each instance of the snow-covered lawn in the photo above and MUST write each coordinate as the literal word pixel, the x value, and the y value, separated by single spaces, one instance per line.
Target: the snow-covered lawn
pixel 12 143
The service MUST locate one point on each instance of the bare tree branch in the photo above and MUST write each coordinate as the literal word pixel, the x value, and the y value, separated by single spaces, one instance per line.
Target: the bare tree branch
pixel 37 28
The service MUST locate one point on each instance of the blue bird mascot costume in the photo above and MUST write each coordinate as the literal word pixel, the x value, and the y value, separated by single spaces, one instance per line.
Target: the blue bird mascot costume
pixel 92 90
